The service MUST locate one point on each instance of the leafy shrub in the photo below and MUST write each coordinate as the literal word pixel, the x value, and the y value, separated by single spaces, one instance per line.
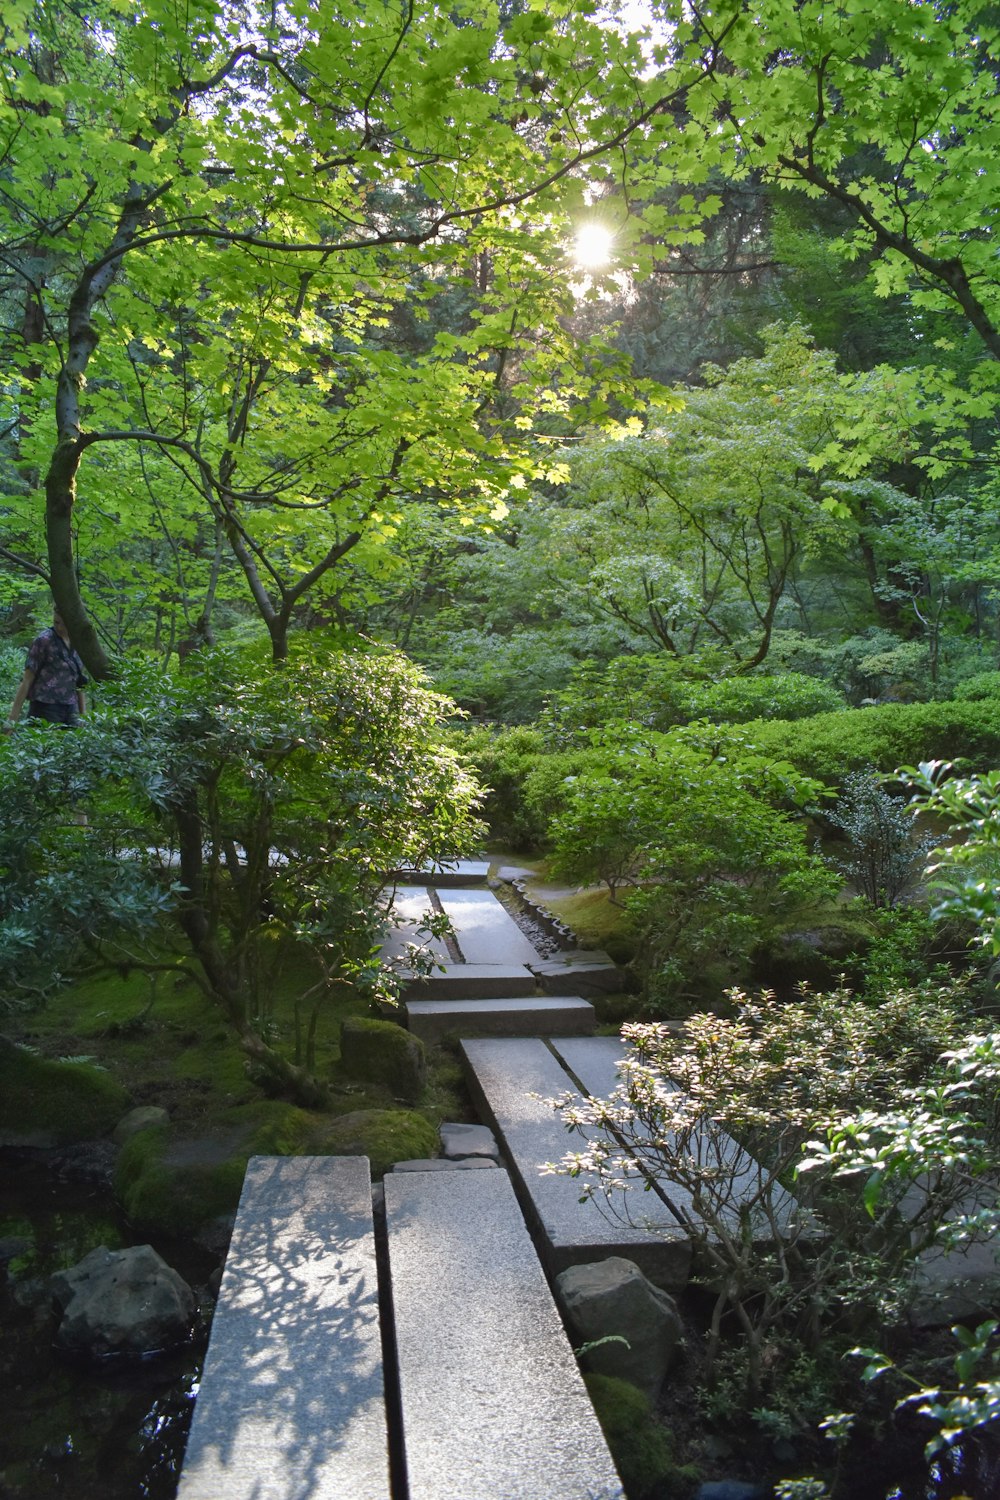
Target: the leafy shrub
pixel 659 692
pixel 901 945
pixel 885 851
pixel 504 677
pixel 981 686
pixel 283 795
pixel 767 1078
pixel 691 844
pixel 786 695
pixel 506 761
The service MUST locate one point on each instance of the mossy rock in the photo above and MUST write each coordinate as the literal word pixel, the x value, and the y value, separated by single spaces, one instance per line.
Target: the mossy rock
pixel 385 1136
pixel 46 1103
pixel 640 1446
pixel 164 1190
pixel 382 1052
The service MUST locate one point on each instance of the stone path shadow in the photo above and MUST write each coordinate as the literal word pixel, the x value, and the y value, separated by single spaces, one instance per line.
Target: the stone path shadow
pixel 292 1406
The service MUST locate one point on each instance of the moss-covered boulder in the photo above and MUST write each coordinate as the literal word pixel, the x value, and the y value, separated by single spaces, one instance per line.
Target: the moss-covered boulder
pixel 382 1052
pixel 173 1183
pixel 173 1187
pixel 385 1136
pixel 640 1446
pixel 45 1103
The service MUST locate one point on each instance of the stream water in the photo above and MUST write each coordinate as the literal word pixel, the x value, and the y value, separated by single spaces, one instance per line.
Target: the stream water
pixel 106 1432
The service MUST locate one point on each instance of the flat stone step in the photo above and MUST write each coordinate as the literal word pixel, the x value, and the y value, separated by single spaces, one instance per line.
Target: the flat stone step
pixel 291 1400
pixel 530 1016
pixel 411 903
pixel 574 973
pixel 445 1164
pixel 595 1065
pixel 493 1404
pixel 470 982
pixel 484 930
pixel 457 872
pixel 510 1081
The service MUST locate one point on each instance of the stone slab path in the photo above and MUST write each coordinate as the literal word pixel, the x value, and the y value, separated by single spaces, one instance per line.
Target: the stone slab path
pixel 291 1401
pixel 594 1065
pixel 493 1406
pixel 485 931
pixel 510 1081
pixel 411 903
pixel 529 1015
pixel 493 990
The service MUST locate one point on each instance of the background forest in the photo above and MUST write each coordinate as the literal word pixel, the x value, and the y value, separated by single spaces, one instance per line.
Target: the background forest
pixel 538 424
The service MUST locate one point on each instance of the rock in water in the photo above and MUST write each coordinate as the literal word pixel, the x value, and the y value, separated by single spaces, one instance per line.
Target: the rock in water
pixel 127 1302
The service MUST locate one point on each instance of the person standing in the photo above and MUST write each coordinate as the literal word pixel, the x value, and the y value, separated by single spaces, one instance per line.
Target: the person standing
pixel 53 680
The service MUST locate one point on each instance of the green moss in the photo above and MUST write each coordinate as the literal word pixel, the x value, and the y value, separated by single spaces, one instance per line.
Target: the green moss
pixel 284 1130
pixel 385 1136
pixel 641 1448
pixel 172 1195
pixel 382 1052
pixel 59 1101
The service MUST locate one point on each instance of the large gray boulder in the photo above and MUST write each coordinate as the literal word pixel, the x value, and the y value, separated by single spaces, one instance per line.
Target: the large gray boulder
pixel 127 1302
pixel 612 1298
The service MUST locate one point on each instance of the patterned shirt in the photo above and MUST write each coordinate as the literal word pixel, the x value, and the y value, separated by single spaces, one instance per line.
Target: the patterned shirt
pixel 58 670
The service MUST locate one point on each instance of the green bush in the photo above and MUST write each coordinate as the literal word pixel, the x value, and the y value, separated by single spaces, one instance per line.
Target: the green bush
pixel 56 1101
pixel 691 844
pixel 382 1052
pixel 641 1448
pixel 787 695
pixel 506 677
pixel 659 692
pixel 983 685
pixel 885 736
pixel 502 759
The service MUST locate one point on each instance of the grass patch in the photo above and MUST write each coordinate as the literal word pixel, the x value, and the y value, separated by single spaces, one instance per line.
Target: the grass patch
pixel 597 922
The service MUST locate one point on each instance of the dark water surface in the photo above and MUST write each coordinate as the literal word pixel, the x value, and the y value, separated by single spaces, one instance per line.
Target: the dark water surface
pixel 110 1432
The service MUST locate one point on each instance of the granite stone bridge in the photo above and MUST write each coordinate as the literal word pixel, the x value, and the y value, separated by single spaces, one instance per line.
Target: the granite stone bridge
pixel 405 1345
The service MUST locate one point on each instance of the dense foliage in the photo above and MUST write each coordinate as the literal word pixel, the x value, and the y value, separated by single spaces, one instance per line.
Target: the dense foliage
pixel 705 539
pixel 210 821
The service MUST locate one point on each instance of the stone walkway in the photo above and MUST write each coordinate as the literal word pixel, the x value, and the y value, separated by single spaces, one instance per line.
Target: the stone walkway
pixel 502 985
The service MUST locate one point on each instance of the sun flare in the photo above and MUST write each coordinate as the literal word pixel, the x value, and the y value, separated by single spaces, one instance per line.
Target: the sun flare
pixel 593 245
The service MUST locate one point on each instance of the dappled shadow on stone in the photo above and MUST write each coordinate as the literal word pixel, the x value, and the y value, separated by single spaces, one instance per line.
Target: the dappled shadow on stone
pixel 291 1404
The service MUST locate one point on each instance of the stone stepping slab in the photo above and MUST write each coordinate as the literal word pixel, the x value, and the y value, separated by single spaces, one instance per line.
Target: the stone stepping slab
pixel 579 973
pixel 493 1406
pixel 510 1081
pixel 484 930
pixel 523 1016
pixel 594 1065
pixel 459 872
pixel 411 902
pixel 291 1400
pixel 470 982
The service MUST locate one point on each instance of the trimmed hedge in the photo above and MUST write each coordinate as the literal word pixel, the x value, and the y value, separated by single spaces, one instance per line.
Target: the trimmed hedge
pixel 884 736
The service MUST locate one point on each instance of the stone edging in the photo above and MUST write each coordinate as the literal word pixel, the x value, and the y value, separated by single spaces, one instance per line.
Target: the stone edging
pixel 547 920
